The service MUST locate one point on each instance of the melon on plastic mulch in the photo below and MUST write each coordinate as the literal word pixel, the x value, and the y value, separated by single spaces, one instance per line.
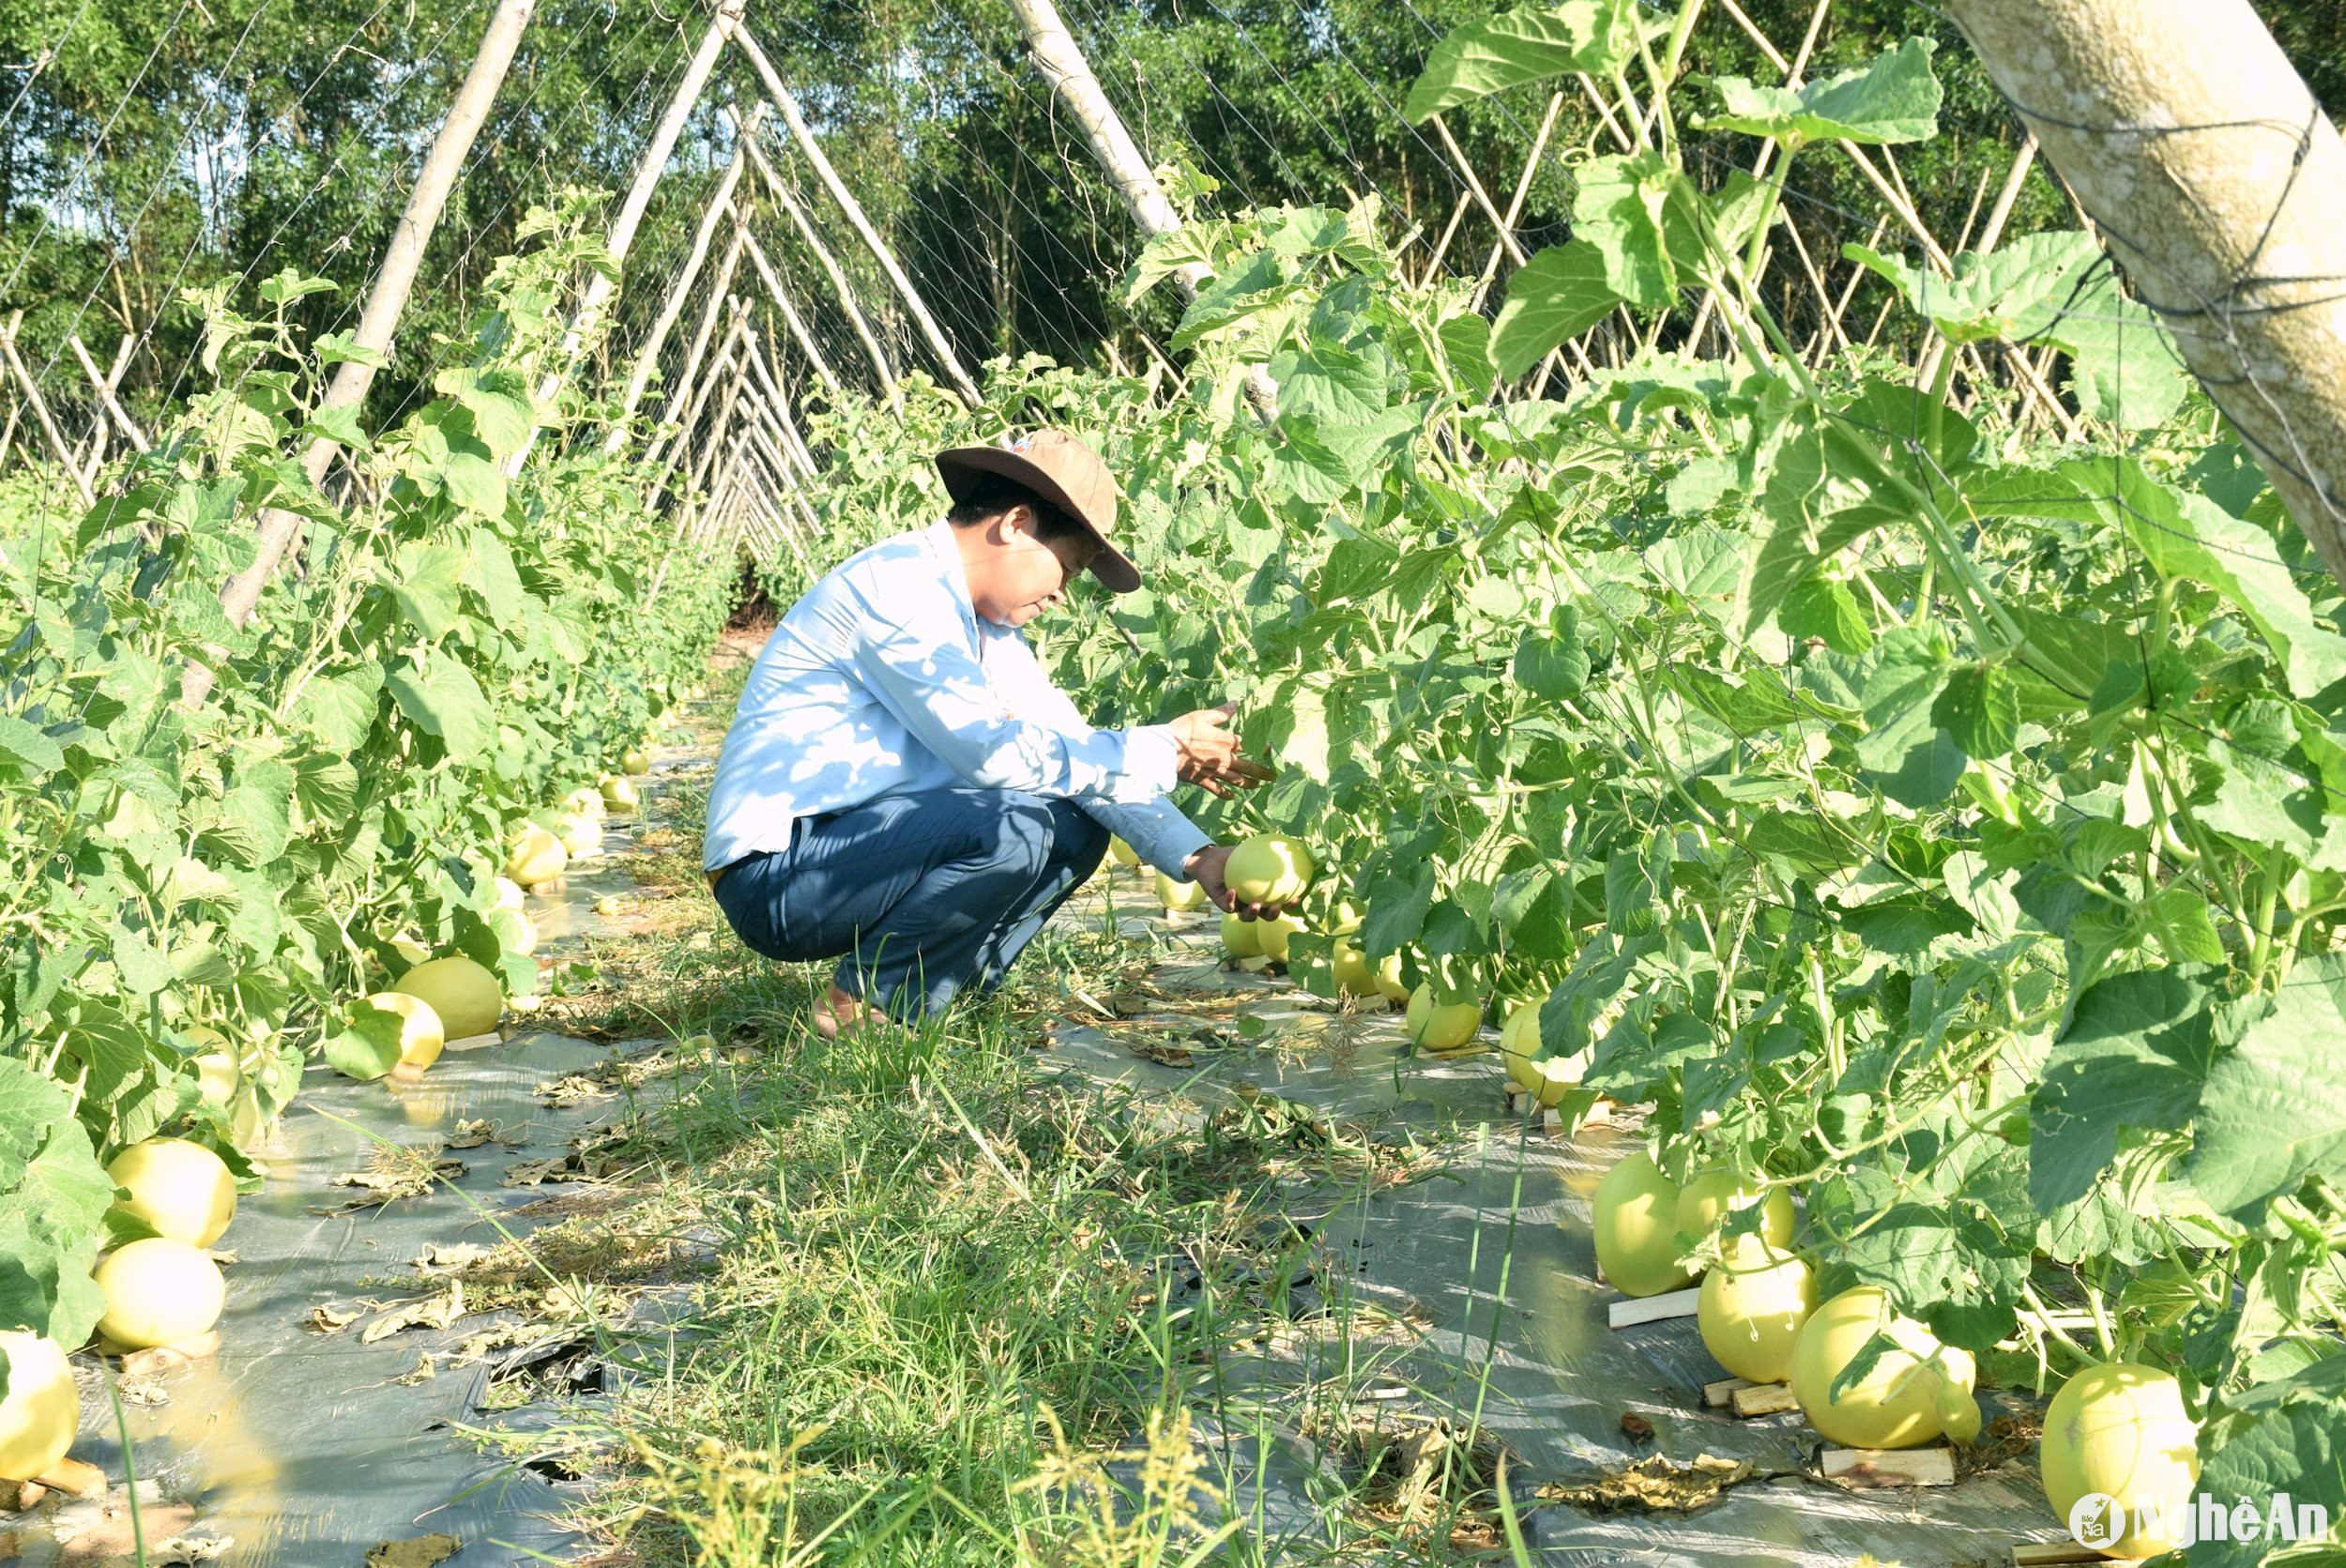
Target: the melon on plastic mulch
pixel 41 1410
pixel 467 996
pixel 158 1292
pixel 536 857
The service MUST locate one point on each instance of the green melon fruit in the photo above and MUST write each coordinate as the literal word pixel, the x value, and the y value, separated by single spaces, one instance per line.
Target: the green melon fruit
pixel 1269 869
pixel 467 996
pixel 1635 1209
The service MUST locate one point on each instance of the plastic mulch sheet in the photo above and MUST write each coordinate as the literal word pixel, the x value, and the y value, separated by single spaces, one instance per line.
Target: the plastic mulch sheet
pixel 312 1438
pixel 1551 1379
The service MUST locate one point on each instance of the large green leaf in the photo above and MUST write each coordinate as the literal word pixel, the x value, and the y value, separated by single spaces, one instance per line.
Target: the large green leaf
pixel 439 694
pixel 1530 45
pixel 1552 298
pixel 2274 1110
pixel 2136 1054
pixel 2296 1450
pixel 52 1196
pixel 341 708
pixel 2184 534
pixel 2057 288
pixel 26 749
pixel 425 578
pixel 1893 98
pixel 1622 213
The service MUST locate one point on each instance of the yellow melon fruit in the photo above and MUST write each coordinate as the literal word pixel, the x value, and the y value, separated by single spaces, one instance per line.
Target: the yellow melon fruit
pixel 1241 938
pixel 1716 1190
pixel 422 1032
pixel 1121 853
pixel 158 1292
pixel 514 931
pixel 536 857
pixel 1353 974
pixel 1752 1307
pixel 1273 933
pixel 1269 868
pixel 618 793
pixel 1180 895
pixel 580 835
pixel 1443 1028
pixel 41 1410
pixel 1896 1403
pixel 1549 1080
pixel 2121 1430
pixel 178 1189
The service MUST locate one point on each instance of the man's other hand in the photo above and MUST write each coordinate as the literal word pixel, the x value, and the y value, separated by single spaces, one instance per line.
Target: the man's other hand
pixel 1207 868
pixel 1210 755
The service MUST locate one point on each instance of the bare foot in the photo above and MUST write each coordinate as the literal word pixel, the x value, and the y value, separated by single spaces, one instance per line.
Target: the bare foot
pixel 841 1013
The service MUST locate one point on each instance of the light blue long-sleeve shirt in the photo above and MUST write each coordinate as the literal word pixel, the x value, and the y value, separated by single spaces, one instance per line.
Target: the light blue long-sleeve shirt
pixel 884 681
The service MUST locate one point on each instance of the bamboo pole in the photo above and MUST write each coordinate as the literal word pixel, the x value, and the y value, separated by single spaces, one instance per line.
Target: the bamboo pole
pixel 39 404
pixel 680 394
pixel 104 387
pixel 763 366
pixel 681 453
pixel 586 319
pixel 1514 204
pixel 724 424
pixel 775 404
pixel 1056 54
pixel 938 343
pixel 780 295
pixel 680 288
pixel 379 323
pixel 790 201
pixel 96 446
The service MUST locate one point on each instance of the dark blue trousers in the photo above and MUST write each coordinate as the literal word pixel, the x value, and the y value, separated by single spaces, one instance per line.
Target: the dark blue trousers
pixel 925 896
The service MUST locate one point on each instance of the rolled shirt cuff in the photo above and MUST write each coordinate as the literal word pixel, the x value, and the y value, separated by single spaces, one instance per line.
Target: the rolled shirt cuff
pixel 1157 830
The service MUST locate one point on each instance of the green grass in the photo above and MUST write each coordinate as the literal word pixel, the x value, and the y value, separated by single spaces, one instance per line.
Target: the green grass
pixel 939 1298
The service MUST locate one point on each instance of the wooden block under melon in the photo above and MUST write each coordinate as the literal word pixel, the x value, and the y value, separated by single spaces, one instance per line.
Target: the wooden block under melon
pixel 1631 1310
pixel 75 1477
pixel 1762 1399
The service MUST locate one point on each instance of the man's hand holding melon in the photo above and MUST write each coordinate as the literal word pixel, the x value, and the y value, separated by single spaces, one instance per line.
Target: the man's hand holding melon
pixel 1261 879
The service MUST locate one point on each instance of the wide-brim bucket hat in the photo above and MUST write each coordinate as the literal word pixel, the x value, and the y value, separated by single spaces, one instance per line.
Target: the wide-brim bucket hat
pixel 1062 471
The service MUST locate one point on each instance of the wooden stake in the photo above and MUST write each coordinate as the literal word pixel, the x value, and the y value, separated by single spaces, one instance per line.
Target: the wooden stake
pixel 104 387
pixel 1514 204
pixel 680 288
pixel 680 393
pixel 2049 1553
pixel 1716 1395
pixel 1869 1468
pixel 1056 55
pixel 938 343
pixel 1764 1399
pixel 1457 212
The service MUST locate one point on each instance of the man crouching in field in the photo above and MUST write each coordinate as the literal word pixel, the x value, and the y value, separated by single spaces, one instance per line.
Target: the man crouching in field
pixel 902 788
